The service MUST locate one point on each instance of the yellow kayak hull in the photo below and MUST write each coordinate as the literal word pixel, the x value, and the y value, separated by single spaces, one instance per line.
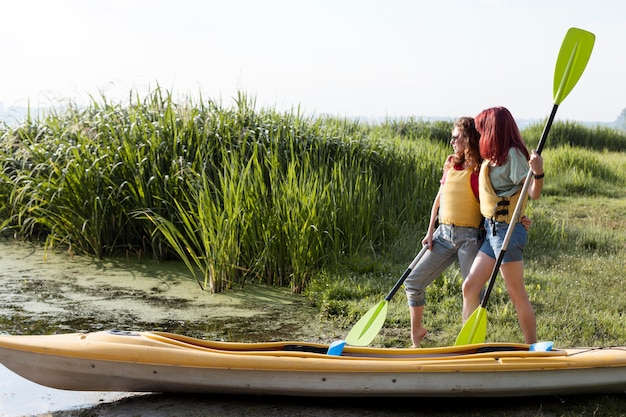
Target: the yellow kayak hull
pixel 164 362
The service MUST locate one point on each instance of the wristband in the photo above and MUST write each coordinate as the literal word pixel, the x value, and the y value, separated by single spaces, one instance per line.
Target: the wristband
pixel 540 176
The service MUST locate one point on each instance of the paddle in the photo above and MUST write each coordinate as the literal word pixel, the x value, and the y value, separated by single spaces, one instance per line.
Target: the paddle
pixel 571 62
pixel 366 329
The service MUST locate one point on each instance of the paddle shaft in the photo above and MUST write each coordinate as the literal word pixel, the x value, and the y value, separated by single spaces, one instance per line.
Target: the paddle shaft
pixel 518 209
pixel 406 273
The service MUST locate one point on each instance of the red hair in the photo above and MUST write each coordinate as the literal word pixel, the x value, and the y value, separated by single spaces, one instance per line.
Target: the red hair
pixel 498 133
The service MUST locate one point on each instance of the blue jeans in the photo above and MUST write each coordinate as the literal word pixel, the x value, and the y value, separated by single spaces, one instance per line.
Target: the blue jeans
pixel 449 244
pixel 494 239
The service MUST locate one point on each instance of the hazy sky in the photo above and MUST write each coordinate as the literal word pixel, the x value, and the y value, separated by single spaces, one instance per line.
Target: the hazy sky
pixel 345 58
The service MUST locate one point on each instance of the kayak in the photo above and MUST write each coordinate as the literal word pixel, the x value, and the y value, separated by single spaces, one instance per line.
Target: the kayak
pixel 166 362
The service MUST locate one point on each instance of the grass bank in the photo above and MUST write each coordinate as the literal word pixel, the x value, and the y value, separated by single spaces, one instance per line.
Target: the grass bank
pixel 574 266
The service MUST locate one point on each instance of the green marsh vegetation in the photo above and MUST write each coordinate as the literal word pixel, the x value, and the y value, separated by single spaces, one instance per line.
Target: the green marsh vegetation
pixel 237 193
pixel 331 207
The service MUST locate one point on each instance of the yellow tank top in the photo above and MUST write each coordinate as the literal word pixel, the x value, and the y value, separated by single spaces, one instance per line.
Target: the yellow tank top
pixel 465 209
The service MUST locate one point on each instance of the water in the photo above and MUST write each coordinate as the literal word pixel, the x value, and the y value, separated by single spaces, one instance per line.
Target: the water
pixel 46 293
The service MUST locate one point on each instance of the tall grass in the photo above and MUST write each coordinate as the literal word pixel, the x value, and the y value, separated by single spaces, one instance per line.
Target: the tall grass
pixel 237 193
pixel 571 133
pixel 240 193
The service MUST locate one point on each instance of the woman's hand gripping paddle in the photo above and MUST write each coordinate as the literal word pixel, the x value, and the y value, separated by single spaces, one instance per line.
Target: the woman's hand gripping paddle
pixel 571 62
pixel 366 329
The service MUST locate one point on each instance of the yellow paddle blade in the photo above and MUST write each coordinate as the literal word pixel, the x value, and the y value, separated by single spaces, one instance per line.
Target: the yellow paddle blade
pixel 572 61
pixel 366 329
pixel 474 329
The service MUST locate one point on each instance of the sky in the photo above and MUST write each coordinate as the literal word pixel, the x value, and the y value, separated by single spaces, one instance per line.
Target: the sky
pixel 347 58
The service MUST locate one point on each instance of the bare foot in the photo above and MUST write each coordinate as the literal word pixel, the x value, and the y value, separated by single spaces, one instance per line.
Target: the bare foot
pixel 417 336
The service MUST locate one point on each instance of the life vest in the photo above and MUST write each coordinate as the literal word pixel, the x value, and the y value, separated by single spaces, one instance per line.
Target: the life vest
pixel 492 206
pixel 465 212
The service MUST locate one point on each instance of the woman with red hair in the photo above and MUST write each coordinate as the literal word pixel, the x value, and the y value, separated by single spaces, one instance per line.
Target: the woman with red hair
pixel 506 161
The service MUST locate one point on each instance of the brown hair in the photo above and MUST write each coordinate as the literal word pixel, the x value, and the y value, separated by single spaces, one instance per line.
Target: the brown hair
pixel 467 129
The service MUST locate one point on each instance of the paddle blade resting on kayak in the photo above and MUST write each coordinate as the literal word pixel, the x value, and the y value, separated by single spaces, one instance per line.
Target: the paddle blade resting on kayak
pixel 476 333
pixel 368 326
pixel 366 329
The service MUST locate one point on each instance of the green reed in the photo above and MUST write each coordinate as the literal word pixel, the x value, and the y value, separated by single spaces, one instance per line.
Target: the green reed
pixel 237 193
pixel 329 206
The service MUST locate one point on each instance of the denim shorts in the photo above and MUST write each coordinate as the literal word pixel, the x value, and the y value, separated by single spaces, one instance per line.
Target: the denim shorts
pixel 493 241
pixel 450 244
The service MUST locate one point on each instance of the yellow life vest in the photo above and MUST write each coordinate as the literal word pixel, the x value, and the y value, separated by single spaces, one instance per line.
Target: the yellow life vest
pixel 492 206
pixel 465 211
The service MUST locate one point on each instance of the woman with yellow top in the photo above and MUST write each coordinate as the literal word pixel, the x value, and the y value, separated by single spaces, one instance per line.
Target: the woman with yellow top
pixel 504 170
pixel 458 234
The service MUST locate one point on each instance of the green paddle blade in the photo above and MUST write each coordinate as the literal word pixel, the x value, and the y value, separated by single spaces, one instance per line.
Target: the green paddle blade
pixel 474 329
pixel 366 329
pixel 572 61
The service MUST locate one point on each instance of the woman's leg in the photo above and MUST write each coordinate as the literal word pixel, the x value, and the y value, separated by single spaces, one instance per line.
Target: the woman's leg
pixel 513 273
pixel 432 264
pixel 475 281
pixel 418 331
